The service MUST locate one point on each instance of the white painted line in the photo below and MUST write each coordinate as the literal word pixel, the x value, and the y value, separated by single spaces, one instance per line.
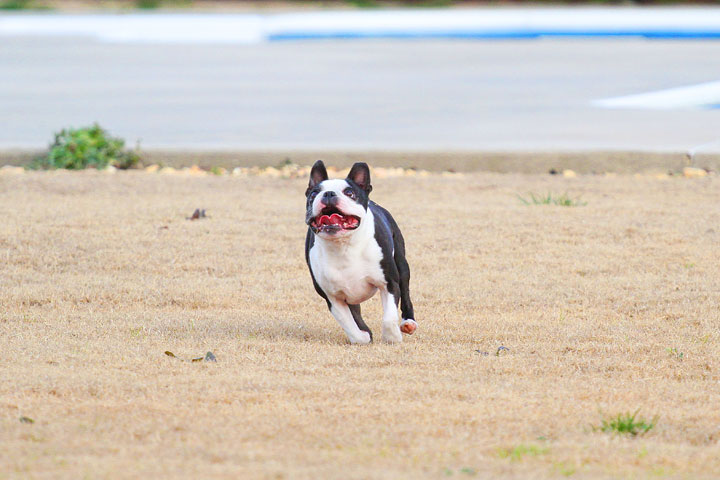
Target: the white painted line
pixel 700 22
pixel 520 22
pixel 136 28
pixel 704 95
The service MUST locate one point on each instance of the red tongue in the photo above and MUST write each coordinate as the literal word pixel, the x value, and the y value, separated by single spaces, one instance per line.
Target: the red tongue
pixel 335 219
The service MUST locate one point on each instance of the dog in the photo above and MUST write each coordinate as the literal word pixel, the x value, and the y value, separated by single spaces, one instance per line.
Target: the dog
pixel 353 249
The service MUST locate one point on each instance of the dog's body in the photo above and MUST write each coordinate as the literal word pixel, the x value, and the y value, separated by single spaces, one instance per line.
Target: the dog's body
pixel 354 248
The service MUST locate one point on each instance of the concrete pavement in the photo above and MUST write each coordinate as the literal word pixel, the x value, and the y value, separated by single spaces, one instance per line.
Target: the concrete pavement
pixel 395 95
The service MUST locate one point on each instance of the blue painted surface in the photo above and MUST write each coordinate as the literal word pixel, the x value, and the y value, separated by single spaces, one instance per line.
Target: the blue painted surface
pixel 496 34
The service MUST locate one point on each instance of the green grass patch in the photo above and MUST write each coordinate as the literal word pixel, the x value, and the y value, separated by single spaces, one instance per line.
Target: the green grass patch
pixel 87 147
pixel 564 469
pixel 563 200
pixel 466 471
pixel 518 452
pixel 673 352
pixel 627 424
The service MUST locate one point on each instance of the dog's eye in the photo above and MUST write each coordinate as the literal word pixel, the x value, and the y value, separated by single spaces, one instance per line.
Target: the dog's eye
pixel 312 196
pixel 349 192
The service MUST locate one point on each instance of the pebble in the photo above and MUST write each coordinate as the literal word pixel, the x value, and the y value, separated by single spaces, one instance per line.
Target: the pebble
pixel 195 171
pixel 285 171
pixel 694 172
pixel 11 170
pixel 272 172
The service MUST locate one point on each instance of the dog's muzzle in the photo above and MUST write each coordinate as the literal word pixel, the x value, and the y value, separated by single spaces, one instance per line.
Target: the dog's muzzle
pixel 332 220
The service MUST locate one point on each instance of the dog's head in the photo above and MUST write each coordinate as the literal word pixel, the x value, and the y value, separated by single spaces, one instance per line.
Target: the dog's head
pixel 336 208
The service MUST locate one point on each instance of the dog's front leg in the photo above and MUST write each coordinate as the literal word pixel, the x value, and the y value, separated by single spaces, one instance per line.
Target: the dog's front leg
pixel 390 329
pixel 343 315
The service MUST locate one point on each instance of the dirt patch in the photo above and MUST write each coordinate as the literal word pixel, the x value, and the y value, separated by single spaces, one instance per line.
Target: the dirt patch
pixel 500 162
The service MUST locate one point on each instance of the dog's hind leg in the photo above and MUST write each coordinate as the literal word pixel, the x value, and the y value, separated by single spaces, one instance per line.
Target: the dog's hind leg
pixel 355 310
pixel 408 324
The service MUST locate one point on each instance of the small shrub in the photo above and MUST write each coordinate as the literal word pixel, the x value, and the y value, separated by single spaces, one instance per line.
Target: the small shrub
pixel 148 4
pixel 15 5
pixel 563 200
pixel 364 3
pixel 285 163
pixel 89 147
pixel 21 5
pixel 627 424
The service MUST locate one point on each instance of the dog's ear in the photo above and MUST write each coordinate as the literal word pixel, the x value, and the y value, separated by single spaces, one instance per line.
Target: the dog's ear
pixel 360 175
pixel 318 174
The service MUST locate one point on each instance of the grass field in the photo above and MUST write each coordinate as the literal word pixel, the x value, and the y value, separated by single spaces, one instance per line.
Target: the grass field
pixel 604 308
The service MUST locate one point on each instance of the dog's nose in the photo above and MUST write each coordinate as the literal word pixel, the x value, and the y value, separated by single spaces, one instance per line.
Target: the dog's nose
pixel 329 198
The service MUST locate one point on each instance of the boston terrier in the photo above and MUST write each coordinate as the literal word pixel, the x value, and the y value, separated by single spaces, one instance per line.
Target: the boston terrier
pixel 353 249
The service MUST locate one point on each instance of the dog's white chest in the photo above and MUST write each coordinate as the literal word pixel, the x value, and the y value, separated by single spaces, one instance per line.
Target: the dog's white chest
pixel 351 274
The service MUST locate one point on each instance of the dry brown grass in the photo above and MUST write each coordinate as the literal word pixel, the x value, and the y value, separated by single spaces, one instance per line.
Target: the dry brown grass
pixel 587 299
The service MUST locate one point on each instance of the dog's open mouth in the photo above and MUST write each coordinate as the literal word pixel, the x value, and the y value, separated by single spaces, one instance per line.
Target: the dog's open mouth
pixel 332 220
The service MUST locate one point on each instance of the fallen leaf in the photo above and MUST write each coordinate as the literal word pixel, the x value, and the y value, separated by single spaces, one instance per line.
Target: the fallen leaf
pixel 197 214
pixel 208 357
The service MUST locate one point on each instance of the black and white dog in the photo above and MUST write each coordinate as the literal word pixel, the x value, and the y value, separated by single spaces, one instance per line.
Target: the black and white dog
pixel 354 248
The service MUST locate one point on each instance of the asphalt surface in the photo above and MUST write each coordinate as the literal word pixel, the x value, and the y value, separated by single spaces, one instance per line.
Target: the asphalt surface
pixel 420 95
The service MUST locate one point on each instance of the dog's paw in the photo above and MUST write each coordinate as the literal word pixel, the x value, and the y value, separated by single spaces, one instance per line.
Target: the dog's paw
pixel 391 333
pixel 362 338
pixel 408 326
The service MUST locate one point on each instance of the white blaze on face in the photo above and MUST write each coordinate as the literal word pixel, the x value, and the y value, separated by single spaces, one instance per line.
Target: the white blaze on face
pixel 346 205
